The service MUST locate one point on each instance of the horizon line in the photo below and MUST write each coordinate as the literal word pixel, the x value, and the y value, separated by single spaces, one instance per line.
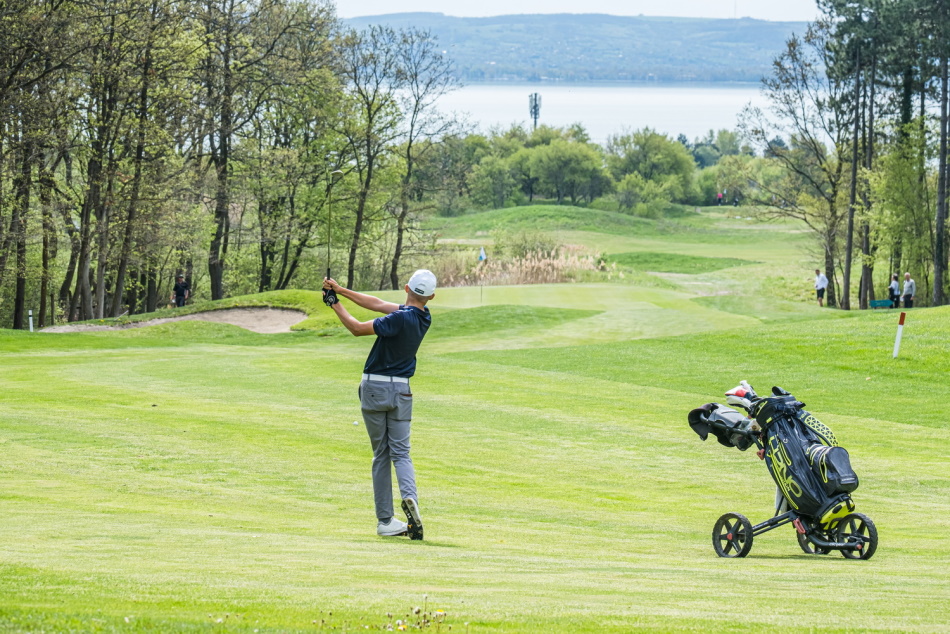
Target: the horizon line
pixel 566 13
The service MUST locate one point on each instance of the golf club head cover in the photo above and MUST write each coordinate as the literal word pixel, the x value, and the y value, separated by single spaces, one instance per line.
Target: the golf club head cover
pixel 329 297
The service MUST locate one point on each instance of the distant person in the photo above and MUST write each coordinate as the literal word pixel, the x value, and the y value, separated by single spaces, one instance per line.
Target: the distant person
pixel 894 290
pixel 385 395
pixel 181 292
pixel 735 201
pixel 719 198
pixel 910 289
pixel 821 283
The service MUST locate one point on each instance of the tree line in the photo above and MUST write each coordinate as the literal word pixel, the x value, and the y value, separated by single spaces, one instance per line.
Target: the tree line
pixel 861 99
pixel 142 139
pixel 235 141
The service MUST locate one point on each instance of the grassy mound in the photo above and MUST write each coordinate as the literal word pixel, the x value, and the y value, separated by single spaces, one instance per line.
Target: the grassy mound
pixel 542 218
pixel 673 263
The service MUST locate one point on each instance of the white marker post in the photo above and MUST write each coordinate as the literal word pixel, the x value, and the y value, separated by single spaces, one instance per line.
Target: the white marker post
pixel 900 333
pixel 31 320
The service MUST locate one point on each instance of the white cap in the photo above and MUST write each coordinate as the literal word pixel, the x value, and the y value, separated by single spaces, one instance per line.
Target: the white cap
pixel 422 282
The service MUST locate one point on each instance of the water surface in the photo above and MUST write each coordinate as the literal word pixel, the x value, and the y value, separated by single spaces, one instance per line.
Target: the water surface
pixel 691 109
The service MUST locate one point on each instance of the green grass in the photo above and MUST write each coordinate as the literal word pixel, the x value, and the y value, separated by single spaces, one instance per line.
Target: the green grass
pixel 673 263
pixel 687 227
pixel 207 474
pixel 194 476
pixel 541 218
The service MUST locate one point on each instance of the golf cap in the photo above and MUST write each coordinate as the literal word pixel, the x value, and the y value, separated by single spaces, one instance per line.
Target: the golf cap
pixel 422 282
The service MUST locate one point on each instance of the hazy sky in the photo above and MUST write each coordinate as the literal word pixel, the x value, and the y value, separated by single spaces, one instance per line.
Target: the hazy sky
pixel 762 9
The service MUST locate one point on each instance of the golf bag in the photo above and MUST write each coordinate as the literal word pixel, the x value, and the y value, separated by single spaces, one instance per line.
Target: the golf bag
pixel 813 475
pixel 812 472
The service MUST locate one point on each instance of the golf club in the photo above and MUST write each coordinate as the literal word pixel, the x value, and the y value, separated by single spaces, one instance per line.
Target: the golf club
pixel 334 176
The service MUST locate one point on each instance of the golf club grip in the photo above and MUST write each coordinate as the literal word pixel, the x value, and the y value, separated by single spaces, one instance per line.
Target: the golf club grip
pixel 328 272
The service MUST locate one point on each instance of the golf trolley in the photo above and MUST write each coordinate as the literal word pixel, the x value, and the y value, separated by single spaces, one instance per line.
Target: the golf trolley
pixel 812 473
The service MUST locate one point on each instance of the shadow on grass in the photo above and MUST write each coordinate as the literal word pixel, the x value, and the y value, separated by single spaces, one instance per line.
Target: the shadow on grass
pixel 801 557
pixel 425 543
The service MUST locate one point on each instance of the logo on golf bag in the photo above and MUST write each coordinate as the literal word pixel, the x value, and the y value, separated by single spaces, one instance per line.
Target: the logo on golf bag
pixel 781 461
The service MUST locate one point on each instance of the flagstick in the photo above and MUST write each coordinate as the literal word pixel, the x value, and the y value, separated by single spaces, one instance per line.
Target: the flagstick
pixel 900 333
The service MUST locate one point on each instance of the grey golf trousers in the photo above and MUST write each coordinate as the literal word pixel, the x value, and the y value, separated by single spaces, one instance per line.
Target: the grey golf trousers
pixel 387 412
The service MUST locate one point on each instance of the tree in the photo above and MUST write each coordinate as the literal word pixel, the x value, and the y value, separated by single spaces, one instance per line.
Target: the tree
pixel 33 58
pixel 242 39
pixel 521 165
pixel 641 196
pixel 807 107
pixel 655 157
pixel 942 51
pixel 492 183
pixel 569 169
pixel 285 146
pixel 428 76
pixel 371 67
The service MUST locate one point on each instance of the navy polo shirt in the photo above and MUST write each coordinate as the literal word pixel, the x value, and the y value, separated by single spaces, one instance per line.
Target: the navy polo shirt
pixel 398 337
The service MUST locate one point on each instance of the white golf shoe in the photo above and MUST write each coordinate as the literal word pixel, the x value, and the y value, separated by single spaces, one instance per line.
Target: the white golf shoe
pixel 393 529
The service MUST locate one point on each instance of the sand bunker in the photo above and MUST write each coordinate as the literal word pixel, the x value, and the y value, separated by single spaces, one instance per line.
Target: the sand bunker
pixel 262 320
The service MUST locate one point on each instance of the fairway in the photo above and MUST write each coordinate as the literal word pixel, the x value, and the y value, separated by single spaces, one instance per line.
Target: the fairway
pixel 194 476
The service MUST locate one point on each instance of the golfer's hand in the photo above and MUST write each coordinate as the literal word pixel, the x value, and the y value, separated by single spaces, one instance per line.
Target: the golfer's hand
pixel 330 284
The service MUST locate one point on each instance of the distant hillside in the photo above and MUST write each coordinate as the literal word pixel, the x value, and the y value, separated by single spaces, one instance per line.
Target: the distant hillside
pixel 595 47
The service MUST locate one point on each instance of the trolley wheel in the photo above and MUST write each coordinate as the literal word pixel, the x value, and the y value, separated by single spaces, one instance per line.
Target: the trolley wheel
pixel 808 547
pixel 858 528
pixel 732 536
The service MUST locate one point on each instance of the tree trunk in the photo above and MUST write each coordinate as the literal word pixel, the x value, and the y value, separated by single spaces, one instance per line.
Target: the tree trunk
pixel 103 223
pixel 81 305
pixel 397 251
pixel 218 251
pixel 830 297
pixel 360 215
pixel 151 293
pixel 132 298
pixel 907 101
pixel 118 295
pixel 867 266
pixel 852 201
pixel 940 260
pixel 294 261
pixel 24 186
pixel 65 295
pixel 282 277
pixel 401 221
pixel 46 188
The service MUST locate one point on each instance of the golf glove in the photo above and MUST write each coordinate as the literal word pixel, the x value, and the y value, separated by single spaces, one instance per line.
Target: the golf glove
pixel 329 297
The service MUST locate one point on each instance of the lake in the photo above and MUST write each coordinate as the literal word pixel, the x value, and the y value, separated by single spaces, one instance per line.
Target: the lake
pixel 605 109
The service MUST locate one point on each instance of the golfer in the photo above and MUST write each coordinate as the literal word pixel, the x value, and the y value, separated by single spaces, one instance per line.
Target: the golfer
pixel 385 396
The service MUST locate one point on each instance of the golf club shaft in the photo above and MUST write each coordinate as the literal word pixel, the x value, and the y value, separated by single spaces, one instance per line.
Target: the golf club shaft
pixel 329 219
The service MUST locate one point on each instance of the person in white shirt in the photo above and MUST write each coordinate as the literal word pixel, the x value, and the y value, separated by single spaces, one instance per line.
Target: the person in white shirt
pixel 821 283
pixel 910 290
pixel 895 292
